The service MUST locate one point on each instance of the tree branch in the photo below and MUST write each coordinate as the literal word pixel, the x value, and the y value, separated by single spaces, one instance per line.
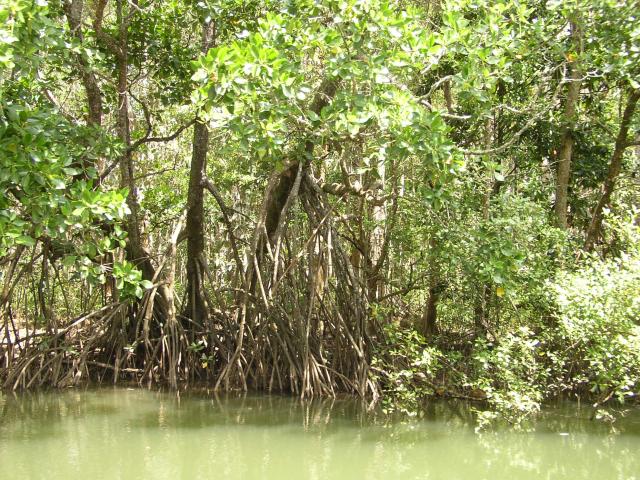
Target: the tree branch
pixel 206 183
pixel 104 37
pixel 146 139
pixel 168 138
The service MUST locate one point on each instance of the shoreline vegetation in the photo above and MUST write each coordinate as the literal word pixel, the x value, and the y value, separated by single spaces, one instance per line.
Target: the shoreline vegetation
pixel 393 200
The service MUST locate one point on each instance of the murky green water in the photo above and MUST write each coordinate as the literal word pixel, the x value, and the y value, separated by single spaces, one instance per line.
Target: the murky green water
pixel 134 434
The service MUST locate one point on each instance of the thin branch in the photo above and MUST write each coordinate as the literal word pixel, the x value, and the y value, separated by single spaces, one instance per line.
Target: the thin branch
pixel 450 116
pixel 104 37
pixel 167 138
pixel 435 86
pixel 633 143
pixel 206 183
pixel 107 171
pixel 520 132
pixel 145 111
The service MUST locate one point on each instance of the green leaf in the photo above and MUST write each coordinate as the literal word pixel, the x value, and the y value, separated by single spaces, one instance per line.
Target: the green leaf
pixel 71 171
pixel 25 240
pixel 58 184
pixel 69 260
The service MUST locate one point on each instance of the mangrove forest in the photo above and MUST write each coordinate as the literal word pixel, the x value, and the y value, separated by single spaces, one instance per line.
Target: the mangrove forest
pixel 394 200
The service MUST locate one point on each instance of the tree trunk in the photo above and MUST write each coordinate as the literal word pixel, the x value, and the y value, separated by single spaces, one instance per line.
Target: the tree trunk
pixel 482 301
pixel 622 142
pixel 282 190
pixel 135 249
pixel 429 321
pixel 196 306
pixel 448 97
pixel 378 235
pixel 73 10
pixel 566 145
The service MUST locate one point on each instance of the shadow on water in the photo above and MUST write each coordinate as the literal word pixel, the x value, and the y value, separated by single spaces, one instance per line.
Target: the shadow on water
pixel 36 416
pixel 276 411
pixel 155 409
pixel 26 414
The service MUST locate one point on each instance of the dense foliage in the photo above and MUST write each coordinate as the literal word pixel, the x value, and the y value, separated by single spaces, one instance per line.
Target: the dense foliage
pixel 391 198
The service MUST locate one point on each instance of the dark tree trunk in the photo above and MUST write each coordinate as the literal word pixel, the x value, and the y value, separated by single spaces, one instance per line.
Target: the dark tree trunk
pixel 565 153
pixel 283 189
pixel 73 10
pixel 482 301
pixel 135 250
pixel 428 324
pixel 622 142
pixel 196 307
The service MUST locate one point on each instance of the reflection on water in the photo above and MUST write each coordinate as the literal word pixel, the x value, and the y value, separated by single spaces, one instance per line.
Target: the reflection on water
pixel 131 434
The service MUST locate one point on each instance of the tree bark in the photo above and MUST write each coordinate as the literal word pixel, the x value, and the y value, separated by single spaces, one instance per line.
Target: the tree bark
pixel 196 307
pixel 135 249
pixel 428 325
pixel 566 145
pixel 615 165
pixel 484 297
pixel 73 10
pixel 284 185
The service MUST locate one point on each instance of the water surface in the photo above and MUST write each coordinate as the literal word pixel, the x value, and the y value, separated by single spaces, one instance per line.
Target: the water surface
pixel 133 434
